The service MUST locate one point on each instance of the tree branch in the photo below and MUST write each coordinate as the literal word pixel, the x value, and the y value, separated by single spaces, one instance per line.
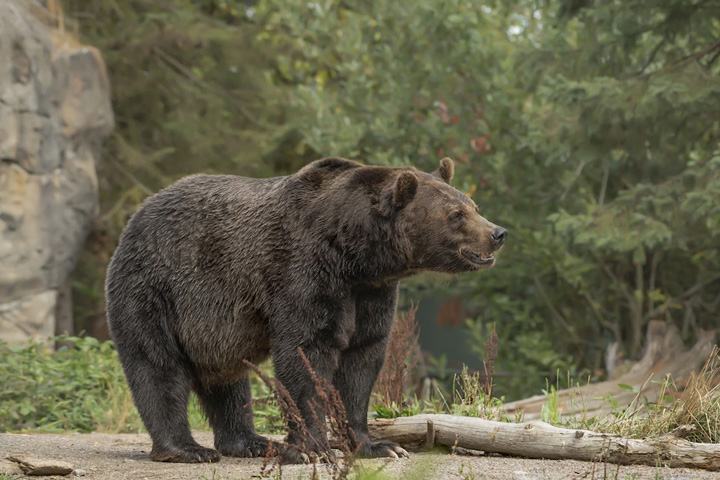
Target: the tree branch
pixel 653 275
pixel 558 316
pixel 686 294
pixel 651 57
pixel 603 188
pixel 182 69
pixel 687 59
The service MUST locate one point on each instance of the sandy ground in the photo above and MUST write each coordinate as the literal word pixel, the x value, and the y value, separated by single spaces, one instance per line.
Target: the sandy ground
pixel 121 457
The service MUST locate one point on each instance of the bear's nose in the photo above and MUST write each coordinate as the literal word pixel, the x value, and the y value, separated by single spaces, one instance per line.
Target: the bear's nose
pixel 498 236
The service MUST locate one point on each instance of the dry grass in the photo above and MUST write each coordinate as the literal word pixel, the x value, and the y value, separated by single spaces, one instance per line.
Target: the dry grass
pixel 329 416
pixel 691 410
pixel 491 351
pixel 400 360
pixel 119 411
pixel 52 14
pixel 473 391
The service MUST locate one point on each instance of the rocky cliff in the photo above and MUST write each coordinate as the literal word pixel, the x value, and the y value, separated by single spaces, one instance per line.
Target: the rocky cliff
pixel 54 113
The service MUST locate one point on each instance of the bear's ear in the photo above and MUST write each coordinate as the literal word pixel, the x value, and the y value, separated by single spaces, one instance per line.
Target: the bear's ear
pixel 446 170
pixel 405 188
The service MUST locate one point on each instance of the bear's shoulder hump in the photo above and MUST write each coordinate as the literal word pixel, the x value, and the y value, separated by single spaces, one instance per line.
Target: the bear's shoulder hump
pixel 332 164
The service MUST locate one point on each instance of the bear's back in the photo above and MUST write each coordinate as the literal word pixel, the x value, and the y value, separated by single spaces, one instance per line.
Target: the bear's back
pixel 195 224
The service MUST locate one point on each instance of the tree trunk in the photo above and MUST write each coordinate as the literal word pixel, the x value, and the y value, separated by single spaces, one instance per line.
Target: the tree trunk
pixel 541 440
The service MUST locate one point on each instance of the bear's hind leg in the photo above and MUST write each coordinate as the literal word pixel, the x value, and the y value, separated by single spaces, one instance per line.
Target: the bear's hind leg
pixel 230 414
pixel 161 396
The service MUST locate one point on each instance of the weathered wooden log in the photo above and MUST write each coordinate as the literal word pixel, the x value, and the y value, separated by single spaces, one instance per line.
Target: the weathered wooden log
pixel 541 440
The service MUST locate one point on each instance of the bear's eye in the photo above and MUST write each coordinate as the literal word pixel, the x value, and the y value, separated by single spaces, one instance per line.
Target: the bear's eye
pixel 456 216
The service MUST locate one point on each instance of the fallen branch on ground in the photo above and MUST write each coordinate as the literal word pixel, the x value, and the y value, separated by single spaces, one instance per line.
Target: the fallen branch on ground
pixel 541 440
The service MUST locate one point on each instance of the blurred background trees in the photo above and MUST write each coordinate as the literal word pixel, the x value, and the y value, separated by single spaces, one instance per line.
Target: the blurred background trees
pixel 588 128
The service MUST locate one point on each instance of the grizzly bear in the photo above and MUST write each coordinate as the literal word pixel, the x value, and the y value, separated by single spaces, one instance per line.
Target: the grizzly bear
pixel 215 270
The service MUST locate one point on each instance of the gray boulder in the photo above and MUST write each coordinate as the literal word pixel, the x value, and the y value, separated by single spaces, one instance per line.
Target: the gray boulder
pixel 54 113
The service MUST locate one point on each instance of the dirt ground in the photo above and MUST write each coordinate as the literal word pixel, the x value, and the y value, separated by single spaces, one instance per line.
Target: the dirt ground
pixel 120 457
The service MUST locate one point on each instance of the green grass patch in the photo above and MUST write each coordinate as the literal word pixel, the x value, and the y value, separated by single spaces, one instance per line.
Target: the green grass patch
pixel 467 397
pixel 79 389
pixel 83 389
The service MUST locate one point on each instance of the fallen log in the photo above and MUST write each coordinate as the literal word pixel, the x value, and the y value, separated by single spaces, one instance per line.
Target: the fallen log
pixel 541 440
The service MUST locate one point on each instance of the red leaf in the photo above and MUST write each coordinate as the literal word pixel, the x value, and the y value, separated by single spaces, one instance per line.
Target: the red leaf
pixel 480 144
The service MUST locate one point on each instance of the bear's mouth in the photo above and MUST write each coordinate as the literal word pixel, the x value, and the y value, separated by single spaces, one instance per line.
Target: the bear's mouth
pixel 480 259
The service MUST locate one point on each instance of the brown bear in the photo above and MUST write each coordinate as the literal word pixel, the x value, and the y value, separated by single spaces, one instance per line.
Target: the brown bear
pixel 215 270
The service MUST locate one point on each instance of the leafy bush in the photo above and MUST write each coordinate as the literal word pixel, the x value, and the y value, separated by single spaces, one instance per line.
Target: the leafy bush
pixel 83 389
pixel 75 389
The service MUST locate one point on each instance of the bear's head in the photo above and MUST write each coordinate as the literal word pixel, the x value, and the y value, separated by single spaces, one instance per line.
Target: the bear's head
pixel 442 225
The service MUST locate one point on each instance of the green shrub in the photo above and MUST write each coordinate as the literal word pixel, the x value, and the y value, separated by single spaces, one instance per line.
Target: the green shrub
pixel 83 389
pixel 74 389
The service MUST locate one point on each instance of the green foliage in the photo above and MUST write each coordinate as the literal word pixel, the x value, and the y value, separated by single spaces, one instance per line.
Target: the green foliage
pixel 467 396
pixel 471 399
pixel 83 389
pixel 550 411
pixel 588 129
pixel 355 95
pixel 394 410
pixel 622 114
pixel 80 389
pixel 608 180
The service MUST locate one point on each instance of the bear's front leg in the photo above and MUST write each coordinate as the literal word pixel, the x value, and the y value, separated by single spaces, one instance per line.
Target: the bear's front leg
pixel 361 363
pixel 306 435
pixel 319 320
pixel 355 385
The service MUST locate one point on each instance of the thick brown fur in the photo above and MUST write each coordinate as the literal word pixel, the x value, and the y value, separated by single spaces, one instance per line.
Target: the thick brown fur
pixel 215 270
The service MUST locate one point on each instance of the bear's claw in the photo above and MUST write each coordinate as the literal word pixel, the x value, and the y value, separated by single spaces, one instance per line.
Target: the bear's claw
pixel 292 455
pixel 254 446
pixel 383 448
pixel 186 454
